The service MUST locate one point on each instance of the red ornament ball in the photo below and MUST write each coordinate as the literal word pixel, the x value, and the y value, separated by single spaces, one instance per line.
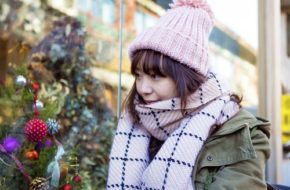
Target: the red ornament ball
pixel 35 130
pixel 66 187
pixel 77 178
pixel 35 86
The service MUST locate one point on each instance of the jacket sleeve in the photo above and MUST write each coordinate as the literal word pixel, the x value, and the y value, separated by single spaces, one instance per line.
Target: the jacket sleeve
pixel 246 174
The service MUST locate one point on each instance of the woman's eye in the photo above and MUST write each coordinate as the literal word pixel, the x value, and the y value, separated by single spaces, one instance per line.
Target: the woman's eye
pixel 137 75
pixel 154 76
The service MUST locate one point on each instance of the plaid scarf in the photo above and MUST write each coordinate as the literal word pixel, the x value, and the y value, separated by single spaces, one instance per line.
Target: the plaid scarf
pixel 184 136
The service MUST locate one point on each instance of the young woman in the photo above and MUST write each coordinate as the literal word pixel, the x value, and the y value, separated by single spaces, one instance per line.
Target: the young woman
pixel 181 127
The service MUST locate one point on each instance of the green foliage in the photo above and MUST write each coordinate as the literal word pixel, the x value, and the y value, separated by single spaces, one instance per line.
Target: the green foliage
pixel 21 69
pixel 14 102
pixel 4 130
pixel 49 110
pixel 100 157
pixel 27 96
pixel 37 168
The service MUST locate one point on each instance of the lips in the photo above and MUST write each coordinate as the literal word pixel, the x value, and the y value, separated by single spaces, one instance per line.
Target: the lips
pixel 150 101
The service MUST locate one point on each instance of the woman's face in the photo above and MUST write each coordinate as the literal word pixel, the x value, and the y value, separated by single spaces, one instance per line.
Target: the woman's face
pixel 153 88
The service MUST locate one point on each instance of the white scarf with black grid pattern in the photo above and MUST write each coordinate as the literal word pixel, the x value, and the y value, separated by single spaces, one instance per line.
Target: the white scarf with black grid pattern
pixel 171 168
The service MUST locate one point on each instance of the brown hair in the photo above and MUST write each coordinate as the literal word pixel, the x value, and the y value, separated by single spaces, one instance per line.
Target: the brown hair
pixel 187 80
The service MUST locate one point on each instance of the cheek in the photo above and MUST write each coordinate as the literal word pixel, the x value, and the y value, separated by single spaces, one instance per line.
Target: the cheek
pixel 137 85
pixel 171 90
pixel 174 92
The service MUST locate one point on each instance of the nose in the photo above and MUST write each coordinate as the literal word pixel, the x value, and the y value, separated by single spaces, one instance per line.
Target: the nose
pixel 144 87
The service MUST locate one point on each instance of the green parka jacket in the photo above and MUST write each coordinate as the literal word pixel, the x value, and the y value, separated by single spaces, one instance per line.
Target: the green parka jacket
pixel 234 157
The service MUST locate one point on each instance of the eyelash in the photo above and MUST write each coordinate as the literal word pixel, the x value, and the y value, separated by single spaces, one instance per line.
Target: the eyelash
pixel 153 76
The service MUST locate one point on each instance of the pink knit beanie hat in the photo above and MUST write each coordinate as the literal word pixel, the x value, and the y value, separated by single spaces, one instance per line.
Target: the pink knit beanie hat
pixel 182 33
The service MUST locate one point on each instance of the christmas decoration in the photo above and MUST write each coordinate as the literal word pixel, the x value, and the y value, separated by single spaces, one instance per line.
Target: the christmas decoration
pixel 66 187
pixel 19 119
pixel 59 60
pixel 41 145
pixel 11 144
pixel 48 143
pixel 53 126
pixel 77 178
pixel 21 80
pixel 53 167
pixel 39 183
pixel 35 130
pixel 32 155
pixel 63 170
pixel 35 86
pixel 84 117
pixel 39 105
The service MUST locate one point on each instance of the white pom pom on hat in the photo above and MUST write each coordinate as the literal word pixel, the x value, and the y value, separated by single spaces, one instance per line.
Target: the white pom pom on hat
pixel 182 33
pixel 192 3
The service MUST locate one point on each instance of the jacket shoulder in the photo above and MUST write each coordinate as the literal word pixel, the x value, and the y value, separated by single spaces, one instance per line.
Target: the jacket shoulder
pixel 244 118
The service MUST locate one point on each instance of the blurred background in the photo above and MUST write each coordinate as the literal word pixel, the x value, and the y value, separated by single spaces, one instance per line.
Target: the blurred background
pixel 76 50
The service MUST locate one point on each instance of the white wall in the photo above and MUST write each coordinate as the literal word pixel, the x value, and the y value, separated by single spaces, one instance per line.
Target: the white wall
pixel 285 66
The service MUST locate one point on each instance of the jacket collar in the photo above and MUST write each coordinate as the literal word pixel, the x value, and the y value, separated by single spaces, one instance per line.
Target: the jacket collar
pixel 242 119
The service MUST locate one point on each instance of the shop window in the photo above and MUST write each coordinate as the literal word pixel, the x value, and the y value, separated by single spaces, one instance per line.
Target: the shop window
pixel 143 20
pixel 102 10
